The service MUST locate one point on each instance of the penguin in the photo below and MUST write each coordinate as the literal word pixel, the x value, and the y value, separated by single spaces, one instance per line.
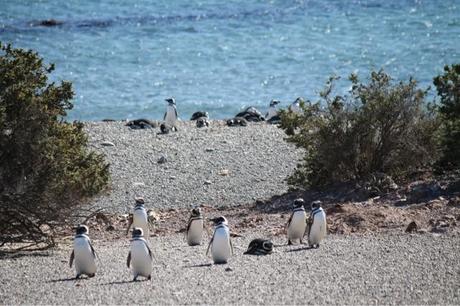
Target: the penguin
pixel 139 256
pixel 140 218
pixel 317 225
pixel 295 106
pixel 164 129
pixel 220 244
pixel 237 121
pixel 83 253
pixel 272 114
pixel 251 114
pixel 259 247
pixel 195 227
pixel 170 116
pixel 297 223
pixel 141 124
pixel 199 114
pixel 202 122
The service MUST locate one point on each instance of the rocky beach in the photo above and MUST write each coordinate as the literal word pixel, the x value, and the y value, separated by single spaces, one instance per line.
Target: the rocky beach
pixel 368 257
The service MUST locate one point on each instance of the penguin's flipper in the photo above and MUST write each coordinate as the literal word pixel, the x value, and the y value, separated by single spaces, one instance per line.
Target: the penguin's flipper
pixel 128 260
pixel 209 245
pixel 72 255
pixel 175 111
pixel 150 253
pixel 188 225
pixel 289 221
pixel 92 249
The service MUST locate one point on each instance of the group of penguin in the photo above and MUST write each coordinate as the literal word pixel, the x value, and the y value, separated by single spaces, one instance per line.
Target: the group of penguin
pixel 140 259
pixel 202 118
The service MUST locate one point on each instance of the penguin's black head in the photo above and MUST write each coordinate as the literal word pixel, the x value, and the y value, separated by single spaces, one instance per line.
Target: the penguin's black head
pixel 267 245
pixel 164 128
pixel 171 101
pixel 196 212
pixel 274 102
pixel 298 203
pixel 315 204
pixel 139 201
pixel 219 220
pixel 138 232
pixel 82 229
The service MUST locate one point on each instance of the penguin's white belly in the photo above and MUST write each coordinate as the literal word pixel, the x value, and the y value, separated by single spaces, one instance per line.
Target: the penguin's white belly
pixel 297 226
pixel 195 232
pixel 295 108
pixel 170 119
pixel 271 113
pixel 84 259
pixel 140 219
pixel 141 263
pixel 220 248
pixel 318 228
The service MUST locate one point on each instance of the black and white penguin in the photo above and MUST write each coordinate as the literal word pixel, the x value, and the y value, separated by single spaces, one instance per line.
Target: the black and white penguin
pixel 237 121
pixel 140 256
pixel 297 223
pixel 170 116
pixel 272 114
pixel 317 225
pixel 251 114
pixel 295 106
pixel 139 217
pixel 199 114
pixel 220 244
pixel 260 246
pixel 83 253
pixel 164 129
pixel 195 226
pixel 141 124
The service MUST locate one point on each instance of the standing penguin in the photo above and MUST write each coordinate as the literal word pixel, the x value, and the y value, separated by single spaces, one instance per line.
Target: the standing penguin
pixel 295 106
pixel 316 225
pixel 140 256
pixel 220 244
pixel 272 114
pixel 170 117
pixel 140 217
pixel 195 227
pixel 83 253
pixel 297 223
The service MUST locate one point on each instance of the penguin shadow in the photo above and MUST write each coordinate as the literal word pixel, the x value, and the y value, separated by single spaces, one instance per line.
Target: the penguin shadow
pixel 199 265
pixel 124 282
pixel 69 279
pixel 299 248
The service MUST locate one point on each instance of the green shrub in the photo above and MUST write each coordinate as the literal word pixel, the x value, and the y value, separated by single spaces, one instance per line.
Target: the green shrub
pixel 45 168
pixel 448 87
pixel 380 127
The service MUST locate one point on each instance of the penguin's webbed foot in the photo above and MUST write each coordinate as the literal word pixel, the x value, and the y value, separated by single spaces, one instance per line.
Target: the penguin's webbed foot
pixel 91 275
pixel 78 276
pixel 135 279
pixel 289 242
pixel 149 277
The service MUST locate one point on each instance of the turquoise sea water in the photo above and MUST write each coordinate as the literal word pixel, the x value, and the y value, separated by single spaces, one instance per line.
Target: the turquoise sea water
pixel 125 57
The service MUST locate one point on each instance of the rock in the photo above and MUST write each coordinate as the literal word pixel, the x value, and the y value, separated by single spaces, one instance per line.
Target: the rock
pixel 412 227
pixel 210 149
pixel 162 160
pixel 228 269
pixel 108 144
pixel 401 202
pixel 224 172
pixel 419 191
pixel 50 23
pixel 207 182
pixel 110 228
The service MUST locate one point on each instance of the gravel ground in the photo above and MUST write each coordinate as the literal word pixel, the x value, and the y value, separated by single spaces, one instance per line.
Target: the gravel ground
pixel 383 269
pixel 217 166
